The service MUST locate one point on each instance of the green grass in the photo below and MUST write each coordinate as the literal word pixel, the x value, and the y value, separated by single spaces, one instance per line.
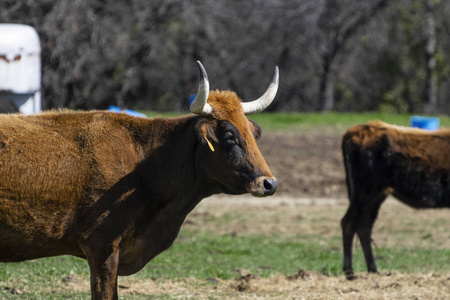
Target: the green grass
pixel 202 256
pixel 295 121
pixel 291 121
pixel 304 121
pixel 36 279
pixel 221 256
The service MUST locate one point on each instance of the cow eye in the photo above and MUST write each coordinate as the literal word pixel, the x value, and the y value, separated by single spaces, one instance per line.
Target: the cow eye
pixel 229 138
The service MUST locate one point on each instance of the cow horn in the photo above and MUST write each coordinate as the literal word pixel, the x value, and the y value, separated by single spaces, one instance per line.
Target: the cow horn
pixel 264 101
pixel 199 105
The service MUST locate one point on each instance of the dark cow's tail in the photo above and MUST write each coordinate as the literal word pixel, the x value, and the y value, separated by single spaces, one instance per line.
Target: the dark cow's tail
pixel 346 153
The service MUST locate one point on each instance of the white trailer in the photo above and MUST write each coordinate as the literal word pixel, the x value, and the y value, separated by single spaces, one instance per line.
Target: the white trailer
pixel 20 67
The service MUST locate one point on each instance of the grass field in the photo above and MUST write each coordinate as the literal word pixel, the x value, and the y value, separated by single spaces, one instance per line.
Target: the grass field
pixel 299 121
pixel 269 250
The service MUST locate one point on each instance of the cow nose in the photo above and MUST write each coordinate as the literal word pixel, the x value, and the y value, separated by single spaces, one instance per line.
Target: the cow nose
pixel 263 186
pixel 270 186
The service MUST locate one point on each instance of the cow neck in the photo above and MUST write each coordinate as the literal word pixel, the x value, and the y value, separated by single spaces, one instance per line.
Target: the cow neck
pixel 169 163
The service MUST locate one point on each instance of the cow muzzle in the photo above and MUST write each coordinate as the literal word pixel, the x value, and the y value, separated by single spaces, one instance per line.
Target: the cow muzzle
pixel 263 186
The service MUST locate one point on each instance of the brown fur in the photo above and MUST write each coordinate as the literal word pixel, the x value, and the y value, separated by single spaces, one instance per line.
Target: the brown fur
pixel 115 189
pixel 381 159
pixel 428 146
pixel 233 111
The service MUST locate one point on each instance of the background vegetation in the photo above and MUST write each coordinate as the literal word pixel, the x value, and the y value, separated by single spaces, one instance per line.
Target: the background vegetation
pixel 346 55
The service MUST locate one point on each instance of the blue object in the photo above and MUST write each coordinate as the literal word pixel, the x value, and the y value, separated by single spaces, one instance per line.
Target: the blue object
pixel 127 111
pixel 114 109
pixel 427 123
pixel 135 113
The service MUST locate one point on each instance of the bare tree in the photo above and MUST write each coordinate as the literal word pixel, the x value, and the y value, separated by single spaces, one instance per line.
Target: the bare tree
pixel 332 54
pixel 339 23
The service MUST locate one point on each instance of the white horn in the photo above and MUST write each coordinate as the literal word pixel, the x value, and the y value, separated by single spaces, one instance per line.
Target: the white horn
pixel 264 101
pixel 199 105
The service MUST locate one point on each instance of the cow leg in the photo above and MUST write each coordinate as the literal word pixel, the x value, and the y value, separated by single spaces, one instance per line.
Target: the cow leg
pixel 359 218
pixel 364 231
pixel 348 231
pixel 103 265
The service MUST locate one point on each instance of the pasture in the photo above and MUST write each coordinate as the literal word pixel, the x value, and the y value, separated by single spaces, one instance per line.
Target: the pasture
pixel 287 246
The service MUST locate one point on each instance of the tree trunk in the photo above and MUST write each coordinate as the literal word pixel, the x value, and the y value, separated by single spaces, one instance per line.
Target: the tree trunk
pixel 430 103
pixel 326 92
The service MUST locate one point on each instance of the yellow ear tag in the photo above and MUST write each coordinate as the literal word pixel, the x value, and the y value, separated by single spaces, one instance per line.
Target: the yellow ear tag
pixel 209 144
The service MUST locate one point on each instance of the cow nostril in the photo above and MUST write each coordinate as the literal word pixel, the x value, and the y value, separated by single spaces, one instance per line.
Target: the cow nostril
pixel 270 185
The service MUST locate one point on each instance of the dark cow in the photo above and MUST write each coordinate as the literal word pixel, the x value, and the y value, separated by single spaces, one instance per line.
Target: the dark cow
pixel 381 159
pixel 115 189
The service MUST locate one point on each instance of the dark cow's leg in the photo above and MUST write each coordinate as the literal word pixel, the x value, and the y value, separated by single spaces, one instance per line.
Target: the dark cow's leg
pixel 103 264
pixel 348 231
pixel 360 217
pixel 364 231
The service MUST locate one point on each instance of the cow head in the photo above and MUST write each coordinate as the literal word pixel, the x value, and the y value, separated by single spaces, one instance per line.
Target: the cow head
pixel 228 152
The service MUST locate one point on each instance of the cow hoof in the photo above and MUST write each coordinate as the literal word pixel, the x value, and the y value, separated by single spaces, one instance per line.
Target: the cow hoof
pixel 350 276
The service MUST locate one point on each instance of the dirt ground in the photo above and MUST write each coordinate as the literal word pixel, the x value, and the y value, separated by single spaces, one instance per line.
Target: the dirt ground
pixel 306 163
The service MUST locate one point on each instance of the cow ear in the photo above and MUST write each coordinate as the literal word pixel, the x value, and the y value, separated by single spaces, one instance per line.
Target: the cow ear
pixel 256 129
pixel 208 135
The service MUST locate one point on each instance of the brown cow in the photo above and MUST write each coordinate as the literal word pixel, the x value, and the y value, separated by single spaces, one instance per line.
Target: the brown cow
pixel 115 189
pixel 381 159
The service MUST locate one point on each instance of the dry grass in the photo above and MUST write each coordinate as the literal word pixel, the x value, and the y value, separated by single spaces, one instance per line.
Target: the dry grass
pixel 306 286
